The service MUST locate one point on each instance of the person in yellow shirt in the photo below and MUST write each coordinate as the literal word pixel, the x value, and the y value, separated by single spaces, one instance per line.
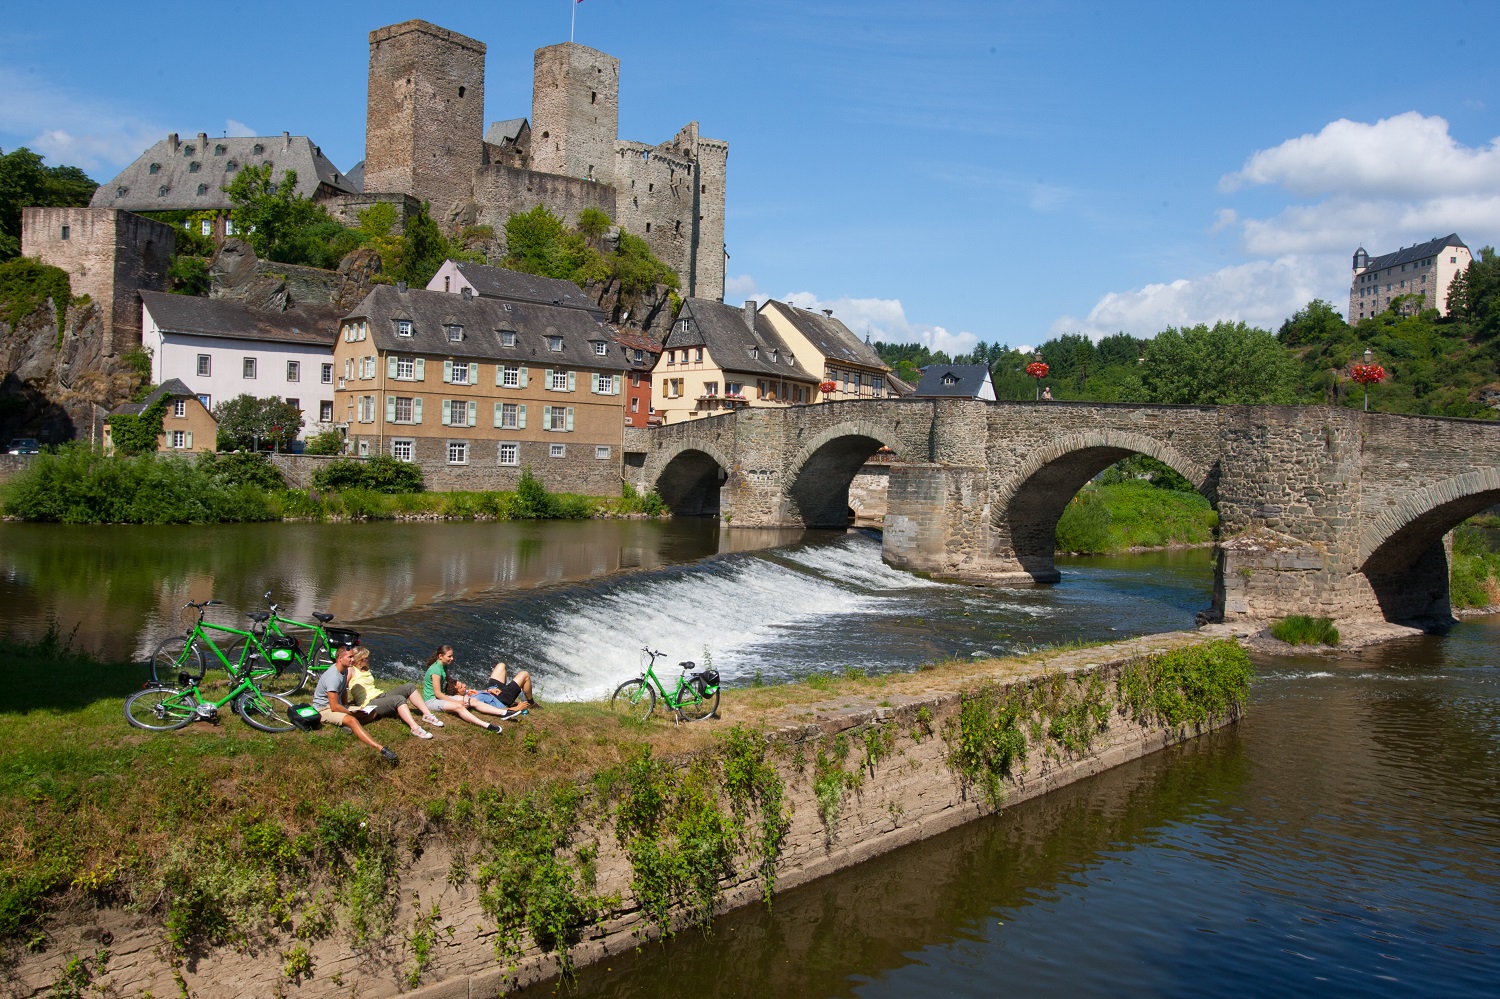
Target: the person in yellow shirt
pixel 372 702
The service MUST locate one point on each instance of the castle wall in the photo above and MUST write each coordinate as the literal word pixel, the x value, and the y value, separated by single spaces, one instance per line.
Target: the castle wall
pixel 345 208
pixel 501 191
pixel 656 201
pixel 708 239
pixel 575 111
pixel 109 255
pixel 424 128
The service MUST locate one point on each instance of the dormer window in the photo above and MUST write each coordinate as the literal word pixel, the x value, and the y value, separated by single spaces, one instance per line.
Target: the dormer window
pixel 403 327
pixel 219 150
pixel 188 151
pixel 120 192
pixel 161 192
pixel 202 190
pixel 455 333
pixel 554 343
pixel 601 347
pixel 639 357
pixel 257 149
pixel 231 166
pixel 950 380
pixel 194 166
pixel 508 338
pixel 791 361
pixel 154 168
pixel 754 353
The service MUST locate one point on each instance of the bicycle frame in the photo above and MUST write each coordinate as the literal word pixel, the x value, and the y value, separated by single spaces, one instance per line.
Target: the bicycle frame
pixel 674 699
pixel 319 641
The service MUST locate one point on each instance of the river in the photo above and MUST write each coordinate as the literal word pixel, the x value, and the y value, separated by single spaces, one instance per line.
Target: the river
pixel 1341 840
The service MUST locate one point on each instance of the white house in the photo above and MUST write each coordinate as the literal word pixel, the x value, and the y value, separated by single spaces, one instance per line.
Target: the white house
pixel 223 349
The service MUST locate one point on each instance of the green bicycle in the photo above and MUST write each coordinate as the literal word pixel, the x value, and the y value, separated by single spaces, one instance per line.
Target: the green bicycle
pixel 276 660
pixel 296 670
pixel 696 696
pixel 162 709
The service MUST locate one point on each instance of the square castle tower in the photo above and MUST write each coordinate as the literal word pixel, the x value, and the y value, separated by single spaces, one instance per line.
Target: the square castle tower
pixel 425 137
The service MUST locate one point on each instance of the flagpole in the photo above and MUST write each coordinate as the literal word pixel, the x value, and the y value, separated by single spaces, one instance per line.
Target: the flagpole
pixel 573 4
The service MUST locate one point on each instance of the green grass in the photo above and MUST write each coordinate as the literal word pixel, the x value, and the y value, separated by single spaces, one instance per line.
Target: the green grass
pixel 1299 629
pixel 1474 576
pixel 1107 519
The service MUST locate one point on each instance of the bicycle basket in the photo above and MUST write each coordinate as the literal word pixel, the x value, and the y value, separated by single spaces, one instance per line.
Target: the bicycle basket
pixel 282 648
pixel 304 716
pixel 338 637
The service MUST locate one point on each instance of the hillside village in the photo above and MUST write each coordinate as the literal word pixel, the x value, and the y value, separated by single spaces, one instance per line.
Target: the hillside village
pixel 474 374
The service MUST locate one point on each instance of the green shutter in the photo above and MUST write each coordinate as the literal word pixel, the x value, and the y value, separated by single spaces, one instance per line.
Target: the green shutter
pixel 547 380
pixel 447 413
pixel 189 439
pixel 390 366
pixel 421 370
pixel 499 374
pixel 569 425
pixel 572 381
pixel 416 410
pixel 390 409
pixel 473 412
pixel 499 407
pixel 447 371
pixel 594 382
pixel 521 417
pixel 546 417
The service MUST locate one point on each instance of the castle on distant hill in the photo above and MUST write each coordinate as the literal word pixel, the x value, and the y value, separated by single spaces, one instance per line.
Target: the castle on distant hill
pixel 425 140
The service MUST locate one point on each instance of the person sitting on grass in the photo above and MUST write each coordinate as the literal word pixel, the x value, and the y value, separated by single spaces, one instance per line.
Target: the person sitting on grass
pixel 434 686
pixel 370 702
pixel 329 700
pixel 512 696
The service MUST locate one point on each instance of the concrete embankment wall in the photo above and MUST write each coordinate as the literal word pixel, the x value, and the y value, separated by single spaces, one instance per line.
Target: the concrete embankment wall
pixel 904 791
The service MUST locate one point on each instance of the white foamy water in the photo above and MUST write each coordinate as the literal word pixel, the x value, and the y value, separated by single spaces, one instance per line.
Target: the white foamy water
pixel 849 560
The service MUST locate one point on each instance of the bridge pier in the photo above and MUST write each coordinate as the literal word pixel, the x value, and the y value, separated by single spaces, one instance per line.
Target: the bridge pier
pixel 938 522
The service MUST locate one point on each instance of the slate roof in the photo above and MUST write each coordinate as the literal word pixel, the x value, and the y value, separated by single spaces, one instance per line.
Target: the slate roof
pixel 484 320
pixel 724 332
pixel 514 286
pixel 176 185
pixel 829 336
pixel 355 178
pixel 309 324
pixel 172 388
pixel 899 387
pixel 501 132
pixel 633 340
pixel 1421 251
pixel 969 379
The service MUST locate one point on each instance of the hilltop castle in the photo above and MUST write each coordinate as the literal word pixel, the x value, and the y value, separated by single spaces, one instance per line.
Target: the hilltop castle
pixel 425 140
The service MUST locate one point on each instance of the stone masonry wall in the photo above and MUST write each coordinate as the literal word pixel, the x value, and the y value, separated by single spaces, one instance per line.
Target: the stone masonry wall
pixel 502 191
pixel 904 797
pixel 575 112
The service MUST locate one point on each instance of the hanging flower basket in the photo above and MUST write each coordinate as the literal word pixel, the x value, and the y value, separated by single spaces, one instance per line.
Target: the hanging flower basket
pixel 1037 369
pixel 827 386
pixel 1367 374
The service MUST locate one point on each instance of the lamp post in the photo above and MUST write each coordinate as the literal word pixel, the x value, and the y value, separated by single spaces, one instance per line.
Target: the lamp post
pixel 1368 373
pixel 1037 369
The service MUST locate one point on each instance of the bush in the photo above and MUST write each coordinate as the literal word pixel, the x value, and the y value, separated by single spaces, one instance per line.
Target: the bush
pixel 381 474
pixel 1474 577
pixel 26 285
pixel 328 441
pixel 1299 629
pixel 242 468
pixel 1084 525
pixel 532 502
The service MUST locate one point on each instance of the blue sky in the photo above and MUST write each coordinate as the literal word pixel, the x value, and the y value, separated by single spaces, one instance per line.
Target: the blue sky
pixel 941 172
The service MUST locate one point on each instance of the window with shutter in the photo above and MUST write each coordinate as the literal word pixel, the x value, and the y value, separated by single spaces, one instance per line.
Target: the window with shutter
pixel 473 412
pixel 420 374
pixel 392 366
pixel 521 418
pixel 569 426
pixel 448 371
pixel 416 410
pixel 447 412
pixel 572 381
pixel 547 418
pixel 390 409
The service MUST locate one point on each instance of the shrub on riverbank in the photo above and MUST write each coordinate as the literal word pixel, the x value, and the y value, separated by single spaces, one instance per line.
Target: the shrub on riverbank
pixel 1474 577
pixel 1299 629
pixel 1107 519
pixel 380 474
pixel 79 485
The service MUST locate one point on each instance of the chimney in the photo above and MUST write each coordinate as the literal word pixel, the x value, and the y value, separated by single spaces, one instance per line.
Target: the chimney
pixel 202 142
pixel 401 287
pixel 286 140
pixel 828 313
pixel 172 140
pixel 750 310
pixel 466 292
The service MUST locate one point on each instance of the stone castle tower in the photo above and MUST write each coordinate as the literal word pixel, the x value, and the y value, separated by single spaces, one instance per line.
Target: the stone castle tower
pixel 425 138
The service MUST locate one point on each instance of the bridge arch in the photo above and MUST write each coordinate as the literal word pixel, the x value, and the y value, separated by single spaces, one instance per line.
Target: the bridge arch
pixel 1401 550
pixel 687 476
pixel 817 478
pixel 1030 503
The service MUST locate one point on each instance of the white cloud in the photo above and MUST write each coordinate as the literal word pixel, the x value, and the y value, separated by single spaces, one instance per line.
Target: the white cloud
pixel 1405 156
pixel 884 319
pixel 238 129
pixel 69 128
pixel 740 286
pixel 1223 219
pixel 1262 293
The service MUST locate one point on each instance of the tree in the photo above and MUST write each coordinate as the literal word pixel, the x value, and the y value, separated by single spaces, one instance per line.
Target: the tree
pixel 538 242
pixel 273 217
pixel 329 441
pixel 26 183
pixel 1474 296
pixel 1316 323
pixel 1224 365
pixel 248 423
pixel 189 276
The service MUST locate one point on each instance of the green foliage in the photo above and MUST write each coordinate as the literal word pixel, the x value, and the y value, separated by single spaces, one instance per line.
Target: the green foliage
pixel 78 485
pixel 246 422
pixel 424 247
pixel 380 474
pixel 831 781
pixel 329 441
pixel 1191 685
pixel 1143 468
pixel 1474 296
pixel 1076 712
pixel 1133 514
pixel 1299 629
pixel 26 183
pixel 189 276
pixel 986 740
pixel 537 242
pixel 420 941
pixel 1226 364
pixel 1317 322
pixel 631 501
pixel 138 433
pixel 752 783
pixel 296 964
pixel 188 223
pixel 242 468
pixel 1474 577
pixel 25 287
pixel 282 225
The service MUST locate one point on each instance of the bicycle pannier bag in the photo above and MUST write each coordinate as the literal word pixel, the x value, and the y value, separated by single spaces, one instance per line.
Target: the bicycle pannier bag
pixel 707 680
pixel 339 636
pixel 282 649
pixel 304 716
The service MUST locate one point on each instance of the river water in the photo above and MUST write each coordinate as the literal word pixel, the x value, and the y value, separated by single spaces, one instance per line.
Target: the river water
pixel 1341 840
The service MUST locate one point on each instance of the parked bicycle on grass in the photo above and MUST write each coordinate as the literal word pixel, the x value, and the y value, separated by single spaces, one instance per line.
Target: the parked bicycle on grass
pixel 696 696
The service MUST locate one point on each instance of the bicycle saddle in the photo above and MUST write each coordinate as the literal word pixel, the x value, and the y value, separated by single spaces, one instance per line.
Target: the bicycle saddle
pixel 688 665
pixel 325 618
pixel 258 616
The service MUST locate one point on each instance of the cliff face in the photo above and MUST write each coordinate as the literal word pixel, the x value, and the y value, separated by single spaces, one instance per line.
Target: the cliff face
pixel 60 387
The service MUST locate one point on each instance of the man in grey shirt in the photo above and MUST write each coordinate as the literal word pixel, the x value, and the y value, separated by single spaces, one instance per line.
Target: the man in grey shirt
pixel 328 698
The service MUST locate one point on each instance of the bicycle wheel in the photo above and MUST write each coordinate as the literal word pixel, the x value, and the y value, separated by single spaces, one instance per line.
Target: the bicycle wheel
pixel 693 706
pixel 267 712
pixel 291 677
pixel 160 709
pixel 633 698
pixel 174 658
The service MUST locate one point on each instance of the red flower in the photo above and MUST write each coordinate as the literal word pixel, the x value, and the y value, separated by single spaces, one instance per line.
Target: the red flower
pixel 1367 374
pixel 1037 369
pixel 827 386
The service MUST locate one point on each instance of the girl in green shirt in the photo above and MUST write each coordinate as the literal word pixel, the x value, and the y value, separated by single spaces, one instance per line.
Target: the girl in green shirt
pixel 433 682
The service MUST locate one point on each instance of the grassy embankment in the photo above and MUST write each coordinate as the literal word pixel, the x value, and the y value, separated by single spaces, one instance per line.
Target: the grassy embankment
pixel 228 836
pixel 1474 578
pixel 1109 518
pixel 78 485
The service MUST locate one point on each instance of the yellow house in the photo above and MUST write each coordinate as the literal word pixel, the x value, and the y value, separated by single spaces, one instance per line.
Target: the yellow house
pixel 718 358
pixel 186 427
pixel 849 367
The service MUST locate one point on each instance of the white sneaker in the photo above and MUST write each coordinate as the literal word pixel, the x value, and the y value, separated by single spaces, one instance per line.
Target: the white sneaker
pixel 432 720
pixel 421 733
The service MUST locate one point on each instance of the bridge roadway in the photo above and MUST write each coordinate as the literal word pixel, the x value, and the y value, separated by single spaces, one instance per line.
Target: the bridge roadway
pixel 1322 511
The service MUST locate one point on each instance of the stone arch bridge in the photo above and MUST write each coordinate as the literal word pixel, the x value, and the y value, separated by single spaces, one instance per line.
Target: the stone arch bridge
pixel 1322 511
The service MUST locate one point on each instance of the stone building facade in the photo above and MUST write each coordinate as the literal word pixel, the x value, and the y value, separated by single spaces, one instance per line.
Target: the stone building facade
pixel 110 255
pixel 1426 270
pixel 426 139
